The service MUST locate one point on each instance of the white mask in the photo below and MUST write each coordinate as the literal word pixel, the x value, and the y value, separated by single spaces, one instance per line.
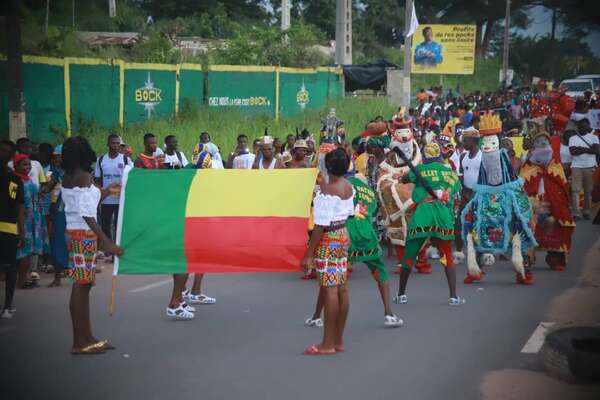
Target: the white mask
pixel 490 143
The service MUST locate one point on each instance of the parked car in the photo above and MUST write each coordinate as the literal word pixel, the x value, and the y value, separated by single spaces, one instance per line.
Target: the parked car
pixel 595 80
pixel 576 87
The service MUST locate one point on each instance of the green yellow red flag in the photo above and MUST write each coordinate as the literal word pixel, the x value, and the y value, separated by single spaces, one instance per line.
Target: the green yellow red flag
pixel 208 220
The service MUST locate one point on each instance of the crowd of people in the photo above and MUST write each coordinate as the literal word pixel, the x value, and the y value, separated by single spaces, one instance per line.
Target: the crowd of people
pixel 439 181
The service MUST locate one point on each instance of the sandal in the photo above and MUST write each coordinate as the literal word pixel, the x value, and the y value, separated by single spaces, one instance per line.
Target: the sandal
pixel 393 321
pixel 187 307
pixel 106 345
pixel 318 322
pixel 200 299
pixel 179 313
pixel 96 348
pixel 400 299
pixel 456 301
pixel 315 351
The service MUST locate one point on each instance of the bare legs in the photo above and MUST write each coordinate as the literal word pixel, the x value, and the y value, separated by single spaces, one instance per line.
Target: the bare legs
pixel 179 281
pixel 79 307
pixel 197 285
pixel 336 306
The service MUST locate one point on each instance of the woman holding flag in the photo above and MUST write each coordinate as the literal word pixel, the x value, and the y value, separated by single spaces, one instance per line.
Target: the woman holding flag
pixel 81 198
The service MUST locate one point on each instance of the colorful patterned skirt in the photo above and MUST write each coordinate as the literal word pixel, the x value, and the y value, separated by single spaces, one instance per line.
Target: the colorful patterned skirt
pixel 331 256
pixel 83 247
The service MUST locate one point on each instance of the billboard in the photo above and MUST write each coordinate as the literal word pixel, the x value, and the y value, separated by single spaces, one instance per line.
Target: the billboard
pixel 444 49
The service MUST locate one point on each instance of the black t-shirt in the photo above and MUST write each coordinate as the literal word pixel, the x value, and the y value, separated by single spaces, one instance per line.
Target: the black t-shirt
pixel 11 196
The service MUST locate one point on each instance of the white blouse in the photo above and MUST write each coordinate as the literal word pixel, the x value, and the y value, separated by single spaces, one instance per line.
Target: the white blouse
pixel 328 208
pixel 80 202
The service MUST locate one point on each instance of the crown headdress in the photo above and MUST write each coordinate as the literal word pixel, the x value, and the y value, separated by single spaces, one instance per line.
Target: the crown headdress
pixel 489 124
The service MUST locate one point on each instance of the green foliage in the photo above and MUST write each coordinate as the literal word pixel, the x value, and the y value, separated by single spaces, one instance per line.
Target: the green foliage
pixel 565 58
pixel 269 46
pixel 225 125
pixel 484 79
pixel 156 49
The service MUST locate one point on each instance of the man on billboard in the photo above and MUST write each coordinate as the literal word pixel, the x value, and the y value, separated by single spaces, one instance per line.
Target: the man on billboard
pixel 428 53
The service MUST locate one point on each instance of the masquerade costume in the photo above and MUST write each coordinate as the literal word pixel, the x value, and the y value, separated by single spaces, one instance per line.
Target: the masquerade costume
pixel 364 243
pixel 547 188
pixel 499 214
pixel 395 197
pixel 433 219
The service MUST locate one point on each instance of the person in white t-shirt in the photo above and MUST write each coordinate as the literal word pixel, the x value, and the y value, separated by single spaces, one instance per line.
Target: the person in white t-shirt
pixel 241 157
pixel 108 175
pixel 36 174
pixel 584 147
pixel 173 159
pixel 470 164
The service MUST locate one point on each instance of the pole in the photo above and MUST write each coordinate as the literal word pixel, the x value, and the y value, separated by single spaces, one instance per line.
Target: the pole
pixel 285 15
pixel 506 40
pixel 73 13
pixel 406 90
pixel 112 8
pixel 47 17
pixel 17 123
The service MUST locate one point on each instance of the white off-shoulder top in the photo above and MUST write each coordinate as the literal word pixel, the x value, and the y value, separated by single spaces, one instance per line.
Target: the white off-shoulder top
pixel 328 208
pixel 80 202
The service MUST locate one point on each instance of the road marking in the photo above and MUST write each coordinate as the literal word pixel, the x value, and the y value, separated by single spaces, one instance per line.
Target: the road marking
pixel 151 286
pixel 536 341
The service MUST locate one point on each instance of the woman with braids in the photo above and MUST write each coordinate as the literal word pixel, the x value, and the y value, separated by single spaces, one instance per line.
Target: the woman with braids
pixel 81 198
pixel 327 250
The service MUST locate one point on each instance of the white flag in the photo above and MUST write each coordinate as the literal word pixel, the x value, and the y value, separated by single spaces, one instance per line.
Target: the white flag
pixel 414 22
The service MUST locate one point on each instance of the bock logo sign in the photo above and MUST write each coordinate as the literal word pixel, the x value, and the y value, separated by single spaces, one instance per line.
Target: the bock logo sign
pixel 148 96
pixel 302 97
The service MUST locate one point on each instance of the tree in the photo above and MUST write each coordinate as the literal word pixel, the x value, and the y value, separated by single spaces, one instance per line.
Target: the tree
pixel 16 98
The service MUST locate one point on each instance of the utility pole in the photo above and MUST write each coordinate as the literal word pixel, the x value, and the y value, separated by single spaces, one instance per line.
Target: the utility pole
pixel 506 40
pixel 406 89
pixel 343 32
pixel 112 8
pixel 286 7
pixel 17 123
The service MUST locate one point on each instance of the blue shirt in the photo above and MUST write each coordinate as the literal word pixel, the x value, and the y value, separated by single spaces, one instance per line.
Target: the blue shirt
pixel 428 54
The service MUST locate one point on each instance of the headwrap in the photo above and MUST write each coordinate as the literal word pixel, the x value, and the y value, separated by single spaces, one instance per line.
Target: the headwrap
pixel 432 152
pixel 18 158
pixel 201 158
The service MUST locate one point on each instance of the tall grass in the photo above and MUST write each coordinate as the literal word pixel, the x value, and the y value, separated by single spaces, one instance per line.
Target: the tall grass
pixel 225 124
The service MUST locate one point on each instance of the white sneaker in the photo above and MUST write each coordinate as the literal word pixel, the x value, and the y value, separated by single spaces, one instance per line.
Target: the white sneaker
pixel 314 322
pixel 458 256
pixel 400 299
pixel 456 301
pixel 200 299
pixel 7 313
pixel 393 321
pixel 179 313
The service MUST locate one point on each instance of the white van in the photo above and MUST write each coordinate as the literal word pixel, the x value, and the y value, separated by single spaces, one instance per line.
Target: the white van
pixel 595 80
pixel 576 87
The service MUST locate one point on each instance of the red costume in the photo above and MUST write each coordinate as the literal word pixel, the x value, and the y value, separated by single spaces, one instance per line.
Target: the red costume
pixel 553 221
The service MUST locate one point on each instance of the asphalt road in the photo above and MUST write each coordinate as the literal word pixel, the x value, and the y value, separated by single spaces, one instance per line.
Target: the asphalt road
pixel 249 344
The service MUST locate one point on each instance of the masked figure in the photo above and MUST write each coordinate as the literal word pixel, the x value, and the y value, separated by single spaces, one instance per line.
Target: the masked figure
pixel 499 214
pixel 395 197
pixel 547 188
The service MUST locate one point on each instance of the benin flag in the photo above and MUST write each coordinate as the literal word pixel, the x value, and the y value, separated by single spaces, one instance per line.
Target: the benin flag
pixel 184 221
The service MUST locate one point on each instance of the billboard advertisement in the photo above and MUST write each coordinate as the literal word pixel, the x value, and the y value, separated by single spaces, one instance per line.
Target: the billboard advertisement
pixel 444 49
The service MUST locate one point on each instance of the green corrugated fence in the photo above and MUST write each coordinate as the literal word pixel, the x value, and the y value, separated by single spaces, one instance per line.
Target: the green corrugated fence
pixel 65 94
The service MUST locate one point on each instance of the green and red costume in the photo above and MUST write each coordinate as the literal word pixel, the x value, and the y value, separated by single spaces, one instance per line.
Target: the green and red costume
pixel 433 219
pixel 364 243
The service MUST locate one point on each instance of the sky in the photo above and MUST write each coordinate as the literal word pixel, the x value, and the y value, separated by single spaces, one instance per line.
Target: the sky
pixel 542 24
